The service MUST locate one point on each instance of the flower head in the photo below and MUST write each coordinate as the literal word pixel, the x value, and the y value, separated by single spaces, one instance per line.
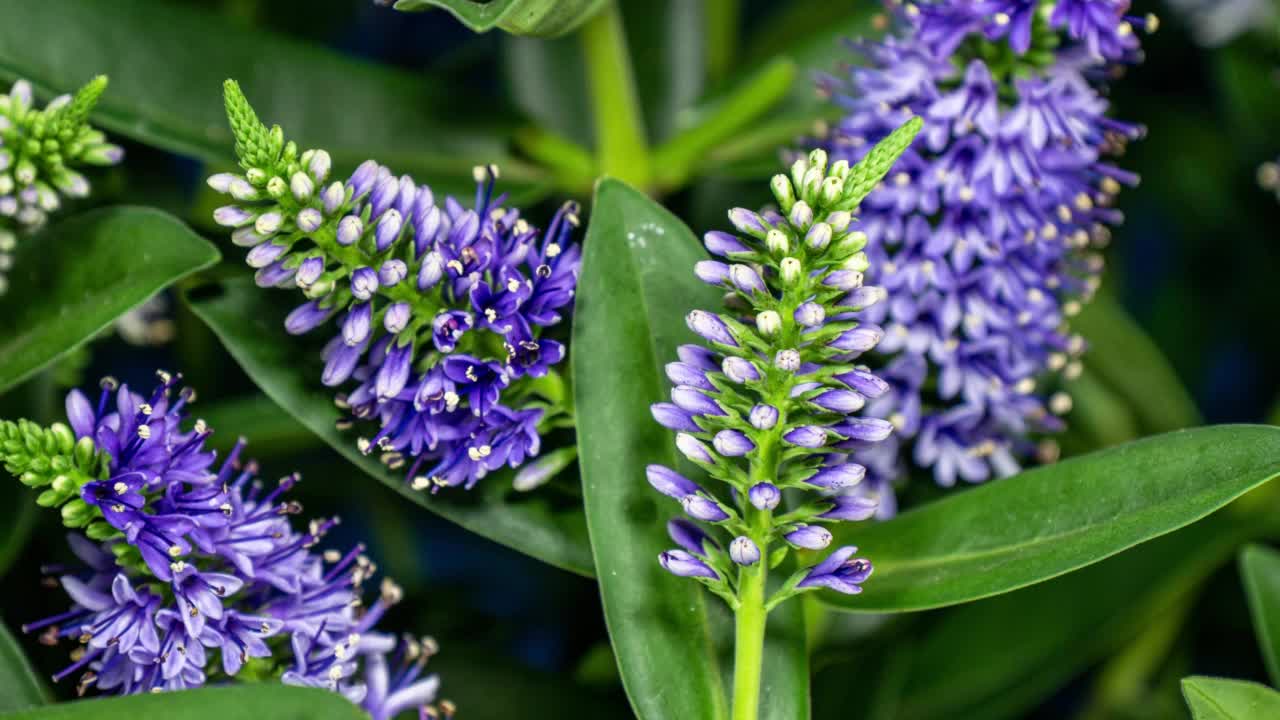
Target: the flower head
pixel 439 308
pixel 983 233
pixel 191 569
pixel 770 403
pixel 41 154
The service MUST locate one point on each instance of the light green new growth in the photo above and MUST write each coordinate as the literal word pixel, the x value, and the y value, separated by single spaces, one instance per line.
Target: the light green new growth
pixel 68 121
pixel 258 147
pixel 53 460
pixel 864 177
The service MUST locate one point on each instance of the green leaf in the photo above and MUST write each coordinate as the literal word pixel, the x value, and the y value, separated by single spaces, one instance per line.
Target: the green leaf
pixel 74 279
pixel 540 524
pixel 1051 520
pixel 1023 646
pixel 1260 570
pixel 238 702
pixel 1123 359
pixel 272 430
pixel 541 18
pixel 1218 699
pixel 637 285
pixel 19 687
pixel 166 92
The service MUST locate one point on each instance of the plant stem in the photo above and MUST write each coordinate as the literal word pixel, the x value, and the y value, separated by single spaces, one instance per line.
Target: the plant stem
pixel 621 147
pixel 748 660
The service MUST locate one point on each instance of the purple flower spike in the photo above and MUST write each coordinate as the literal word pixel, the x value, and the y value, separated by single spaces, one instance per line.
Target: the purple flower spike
pixel 710 327
pixel 764 496
pixel 840 572
pixel 851 508
pixel 682 564
pixel 809 436
pixel 701 507
pixel 669 482
pixel 838 477
pixel 732 443
pixel 809 537
pixel 743 551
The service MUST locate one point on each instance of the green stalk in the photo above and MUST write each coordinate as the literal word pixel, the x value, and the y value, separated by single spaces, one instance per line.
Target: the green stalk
pixel 621 148
pixel 748 660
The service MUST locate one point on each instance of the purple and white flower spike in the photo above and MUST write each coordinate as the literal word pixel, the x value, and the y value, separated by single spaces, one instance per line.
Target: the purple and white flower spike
pixel 984 234
pixel 441 309
pixel 190 568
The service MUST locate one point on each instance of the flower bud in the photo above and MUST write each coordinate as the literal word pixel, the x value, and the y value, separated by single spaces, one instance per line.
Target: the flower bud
pixel 740 370
pixel 397 317
pixel 309 220
pixel 392 272
pixel 355 326
pixel 232 216
pixel 857 262
pixel 839 401
pixel 431 271
pixel 710 327
pixel 319 166
pixel 681 373
pixel 801 215
pixel 810 314
pixel 830 191
pixel 809 537
pixel 276 187
pixel 769 323
pixel 747 222
pixel 818 160
pixel 763 417
pixel 746 279
pixel 333 197
pixel 791 271
pixel 837 477
pixel 840 220
pixel 732 443
pixel 364 283
pixel 788 360
pixel 700 507
pixel 743 551
pixel 859 339
pixel 695 401
pixel 350 228
pixel 682 564
pixel 809 436
pixel 693 448
pixel 819 237
pixel 764 496
pixel 389 226
pixel 723 244
pixel 783 192
pixel 309 271
pixel 777 242
pixel 302 186
pixel 264 254
pixel 711 272
pixel 843 280
pixel 240 189
pixel 851 508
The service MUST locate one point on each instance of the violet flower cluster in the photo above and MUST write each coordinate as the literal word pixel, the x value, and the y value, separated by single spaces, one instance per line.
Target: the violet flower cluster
pixel 190 570
pixel 983 234
pixel 440 308
pixel 770 404
pixel 40 151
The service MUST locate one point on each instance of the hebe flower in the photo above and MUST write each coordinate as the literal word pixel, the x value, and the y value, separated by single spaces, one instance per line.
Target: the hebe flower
pixel 40 153
pixel 439 308
pixel 982 233
pixel 769 405
pixel 191 571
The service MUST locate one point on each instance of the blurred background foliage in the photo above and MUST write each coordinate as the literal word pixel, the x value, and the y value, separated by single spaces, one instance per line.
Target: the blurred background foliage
pixel 1186 333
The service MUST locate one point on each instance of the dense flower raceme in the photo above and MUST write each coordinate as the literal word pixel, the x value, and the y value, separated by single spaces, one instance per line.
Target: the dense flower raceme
pixel 40 150
pixel 982 235
pixel 770 406
pixel 440 307
pixel 190 570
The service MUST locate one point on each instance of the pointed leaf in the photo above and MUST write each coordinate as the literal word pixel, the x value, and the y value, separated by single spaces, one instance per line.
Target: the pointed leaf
pixel 541 18
pixel 1021 647
pixel 1218 699
pixel 166 92
pixel 1044 522
pixel 637 286
pixel 240 702
pixel 78 276
pixel 288 370
pixel 1260 570
pixel 19 687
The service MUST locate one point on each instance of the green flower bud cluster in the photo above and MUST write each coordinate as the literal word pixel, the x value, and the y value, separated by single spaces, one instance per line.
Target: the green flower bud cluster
pixel 52 460
pixel 40 150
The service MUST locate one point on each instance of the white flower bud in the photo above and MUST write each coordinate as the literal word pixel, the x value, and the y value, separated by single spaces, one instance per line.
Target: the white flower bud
pixel 276 187
pixel 791 270
pixel 301 185
pixel 777 242
pixel 783 192
pixel 769 323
